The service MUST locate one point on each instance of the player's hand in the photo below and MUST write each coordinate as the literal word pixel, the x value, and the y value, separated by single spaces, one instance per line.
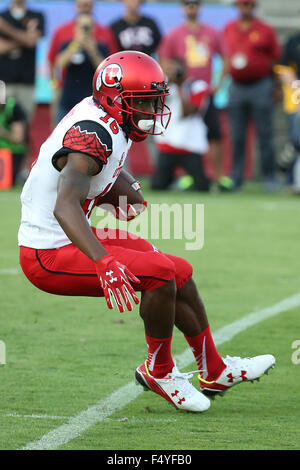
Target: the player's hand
pixel 115 280
pixel 131 211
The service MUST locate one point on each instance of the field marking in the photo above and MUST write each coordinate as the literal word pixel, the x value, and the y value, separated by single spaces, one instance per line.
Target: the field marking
pixel 10 271
pixel 34 416
pixel 117 400
pixel 131 419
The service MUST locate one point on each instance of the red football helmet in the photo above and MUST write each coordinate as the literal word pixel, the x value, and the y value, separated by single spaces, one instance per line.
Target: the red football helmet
pixel 124 76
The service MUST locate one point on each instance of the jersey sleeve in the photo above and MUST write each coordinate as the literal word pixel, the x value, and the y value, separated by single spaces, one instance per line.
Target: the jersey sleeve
pixel 88 137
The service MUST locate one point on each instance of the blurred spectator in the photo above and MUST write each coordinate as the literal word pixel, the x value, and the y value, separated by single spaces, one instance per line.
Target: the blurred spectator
pixel 79 59
pixel 136 32
pixel 289 72
pixel 185 140
pixel 253 49
pixel 13 132
pixel 64 36
pixel 20 30
pixel 196 44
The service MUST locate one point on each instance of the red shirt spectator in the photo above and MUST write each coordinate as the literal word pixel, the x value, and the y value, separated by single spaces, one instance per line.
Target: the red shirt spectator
pixel 252 50
pixel 195 48
pixel 65 34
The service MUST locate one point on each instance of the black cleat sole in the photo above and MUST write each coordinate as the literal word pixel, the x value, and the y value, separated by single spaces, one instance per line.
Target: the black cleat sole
pixel 140 381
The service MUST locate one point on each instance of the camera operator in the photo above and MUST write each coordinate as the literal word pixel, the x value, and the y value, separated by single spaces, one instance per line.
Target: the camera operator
pixel 185 140
pixel 78 60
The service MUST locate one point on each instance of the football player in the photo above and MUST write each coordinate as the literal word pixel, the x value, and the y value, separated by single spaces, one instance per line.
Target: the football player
pixel 61 253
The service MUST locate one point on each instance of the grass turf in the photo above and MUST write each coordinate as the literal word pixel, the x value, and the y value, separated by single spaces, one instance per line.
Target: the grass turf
pixel 65 354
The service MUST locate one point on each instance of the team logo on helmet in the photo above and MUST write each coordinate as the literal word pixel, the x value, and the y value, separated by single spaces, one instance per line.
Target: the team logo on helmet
pixel 111 75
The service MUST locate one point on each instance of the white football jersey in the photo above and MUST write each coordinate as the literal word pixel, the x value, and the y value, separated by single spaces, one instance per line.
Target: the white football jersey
pixel 87 129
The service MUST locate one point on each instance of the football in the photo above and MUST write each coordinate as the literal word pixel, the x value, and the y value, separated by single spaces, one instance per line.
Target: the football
pixel 123 187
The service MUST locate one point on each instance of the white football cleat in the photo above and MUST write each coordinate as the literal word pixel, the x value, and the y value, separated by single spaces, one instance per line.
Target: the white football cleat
pixel 238 370
pixel 174 387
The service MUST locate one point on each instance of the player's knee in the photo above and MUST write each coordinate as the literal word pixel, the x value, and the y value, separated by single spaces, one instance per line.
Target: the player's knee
pixel 162 293
pixel 169 289
pixel 183 270
pixel 184 274
pixel 158 269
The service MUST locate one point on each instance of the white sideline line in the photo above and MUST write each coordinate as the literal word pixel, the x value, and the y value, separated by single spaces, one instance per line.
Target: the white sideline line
pixel 34 416
pixel 10 271
pixel 131 419
pixel 76 425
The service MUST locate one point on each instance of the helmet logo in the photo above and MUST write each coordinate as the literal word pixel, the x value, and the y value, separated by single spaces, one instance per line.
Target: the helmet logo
pixel 112 75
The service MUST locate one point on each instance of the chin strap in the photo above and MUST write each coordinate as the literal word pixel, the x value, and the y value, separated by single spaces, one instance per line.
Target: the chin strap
pixel 135 136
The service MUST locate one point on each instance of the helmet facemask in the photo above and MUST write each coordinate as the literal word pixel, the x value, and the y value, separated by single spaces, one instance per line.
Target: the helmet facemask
pixel 150 122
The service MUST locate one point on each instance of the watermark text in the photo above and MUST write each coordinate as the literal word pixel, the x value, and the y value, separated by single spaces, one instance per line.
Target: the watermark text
pixel 2 92
pixel 296 354
pixel 160 222
pixel 2 353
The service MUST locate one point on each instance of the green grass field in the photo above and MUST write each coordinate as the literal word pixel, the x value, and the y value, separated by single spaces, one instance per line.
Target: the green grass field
pixel 64 355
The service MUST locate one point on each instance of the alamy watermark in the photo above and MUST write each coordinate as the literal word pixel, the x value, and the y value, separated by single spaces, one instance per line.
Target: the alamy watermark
pixel 2 353
pixel 296 354
pixel 2 92
pixel 159 222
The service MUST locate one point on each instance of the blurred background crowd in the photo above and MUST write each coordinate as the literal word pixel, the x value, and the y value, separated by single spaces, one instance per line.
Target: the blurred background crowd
pixel 233 69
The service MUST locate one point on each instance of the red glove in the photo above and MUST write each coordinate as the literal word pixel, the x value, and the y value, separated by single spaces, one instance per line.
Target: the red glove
pixel 114 279
pixel 131 211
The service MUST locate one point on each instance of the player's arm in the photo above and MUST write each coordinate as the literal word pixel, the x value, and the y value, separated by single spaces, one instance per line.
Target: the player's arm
pixel 73 188
pixel 16 134
pixel 26 38
pixel 63 58
pixel 7 45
